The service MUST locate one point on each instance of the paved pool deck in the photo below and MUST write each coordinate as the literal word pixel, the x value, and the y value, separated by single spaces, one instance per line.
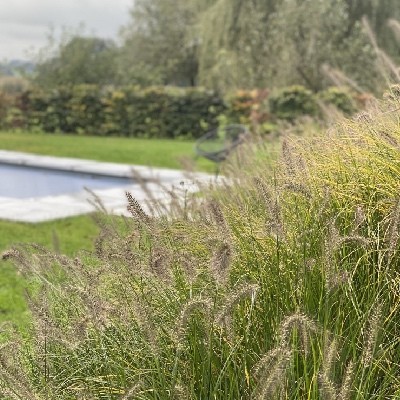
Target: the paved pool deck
pixel 40 209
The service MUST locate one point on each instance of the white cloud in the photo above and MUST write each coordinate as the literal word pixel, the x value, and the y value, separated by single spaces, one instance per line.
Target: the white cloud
pixel 24 24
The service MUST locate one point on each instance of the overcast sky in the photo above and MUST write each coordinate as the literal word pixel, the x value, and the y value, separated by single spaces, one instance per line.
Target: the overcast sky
pixel 24 24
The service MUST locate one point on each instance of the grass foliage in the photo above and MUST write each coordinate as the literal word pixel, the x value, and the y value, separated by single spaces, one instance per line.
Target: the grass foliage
pixel 281 284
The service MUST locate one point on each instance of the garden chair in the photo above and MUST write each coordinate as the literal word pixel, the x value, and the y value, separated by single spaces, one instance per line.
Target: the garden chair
pixel 217 144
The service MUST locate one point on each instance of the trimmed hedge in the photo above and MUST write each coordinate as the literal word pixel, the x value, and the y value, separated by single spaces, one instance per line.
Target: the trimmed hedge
pixel 91 110
pixel 162 112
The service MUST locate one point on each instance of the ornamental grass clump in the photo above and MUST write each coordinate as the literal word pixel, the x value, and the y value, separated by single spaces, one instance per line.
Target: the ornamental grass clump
pixel 281 283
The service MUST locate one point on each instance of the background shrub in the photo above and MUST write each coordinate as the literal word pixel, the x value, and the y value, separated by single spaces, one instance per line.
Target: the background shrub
pixel 340 97
pixel 292 102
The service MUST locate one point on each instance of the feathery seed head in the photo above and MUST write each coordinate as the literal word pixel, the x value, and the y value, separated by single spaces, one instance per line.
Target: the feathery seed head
pixel 359 218
pixel 9 254
pixel 298 321
pixel 329 356
pixel 287 155
pixel 345 389
pixel 277 365
pixel 327 388
pixel 217 214
pixel 263 190
pixel 393 234
pixel 298 188
pixel 204 305
pixel 159 263
pixel 361 240
pixel 267 360
pixel 363 117
pixel 394 25
pixel 180 392
pixel 272 205
pixel 371 334
pixel 221 261
pixel 136 209
pixel 132 392
pixel 337 279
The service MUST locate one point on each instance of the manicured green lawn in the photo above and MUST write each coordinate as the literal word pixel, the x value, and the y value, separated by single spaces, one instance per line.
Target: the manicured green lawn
pixel 151 152
pixel 71 233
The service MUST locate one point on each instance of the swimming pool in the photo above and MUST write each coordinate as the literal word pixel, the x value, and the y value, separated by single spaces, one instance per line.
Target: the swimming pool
pixel 36 188
pixel 23 182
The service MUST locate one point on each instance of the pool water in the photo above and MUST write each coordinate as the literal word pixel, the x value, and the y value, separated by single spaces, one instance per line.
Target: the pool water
pixel 25 182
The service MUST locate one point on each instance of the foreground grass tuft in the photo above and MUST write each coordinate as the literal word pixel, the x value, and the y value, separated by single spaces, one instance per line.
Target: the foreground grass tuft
pixel 282 284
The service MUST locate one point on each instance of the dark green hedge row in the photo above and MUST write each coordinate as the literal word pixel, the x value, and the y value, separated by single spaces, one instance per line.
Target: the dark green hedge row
pixel 162 112
pixel 91 110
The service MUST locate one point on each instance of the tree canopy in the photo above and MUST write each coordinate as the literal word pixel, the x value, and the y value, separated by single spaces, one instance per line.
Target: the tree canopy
pixel 228 44
pixel 79 60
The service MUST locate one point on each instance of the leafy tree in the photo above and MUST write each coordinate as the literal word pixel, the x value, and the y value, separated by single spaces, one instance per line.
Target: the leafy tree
pixel 158 43
pixel 378 13
pixel 79 60
pixel 271 43
pixel 306 34
pixel 233 46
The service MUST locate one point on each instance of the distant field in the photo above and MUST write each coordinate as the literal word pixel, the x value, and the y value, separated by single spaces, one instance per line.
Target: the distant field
pixel 152 152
